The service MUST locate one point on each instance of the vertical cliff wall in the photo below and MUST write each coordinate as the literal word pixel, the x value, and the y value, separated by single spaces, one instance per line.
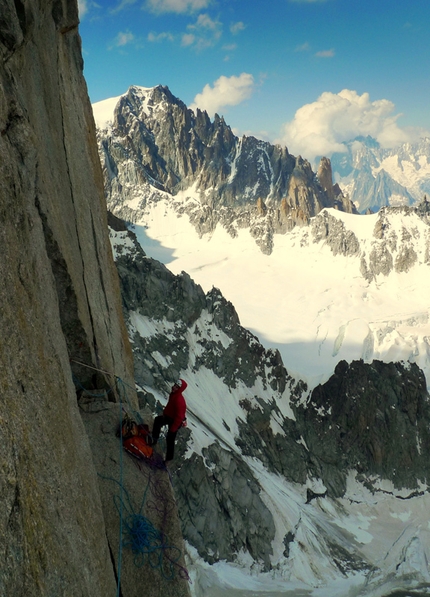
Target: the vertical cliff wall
pixel 59 300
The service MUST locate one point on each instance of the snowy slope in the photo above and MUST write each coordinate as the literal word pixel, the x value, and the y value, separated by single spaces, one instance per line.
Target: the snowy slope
pixel 370 543
pixel 315 307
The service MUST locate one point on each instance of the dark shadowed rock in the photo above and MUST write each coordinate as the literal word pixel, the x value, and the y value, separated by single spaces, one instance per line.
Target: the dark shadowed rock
pixel 370 418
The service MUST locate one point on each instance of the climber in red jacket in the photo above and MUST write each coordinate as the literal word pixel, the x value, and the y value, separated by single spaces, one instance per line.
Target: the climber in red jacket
pixel 174 415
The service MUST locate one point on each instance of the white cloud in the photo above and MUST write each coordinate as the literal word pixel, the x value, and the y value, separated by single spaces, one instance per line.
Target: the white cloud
pixel 205 22
pixel 123 38
pixel 226 91
pixel 320 128
pixel 159 37
pixel 178 6
pixel 237 27
pixel 204 33
pixel 325 53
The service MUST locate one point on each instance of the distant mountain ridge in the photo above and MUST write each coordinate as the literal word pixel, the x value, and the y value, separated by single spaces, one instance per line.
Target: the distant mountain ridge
pixel 374 177
pixel 150 138
pixel 154 144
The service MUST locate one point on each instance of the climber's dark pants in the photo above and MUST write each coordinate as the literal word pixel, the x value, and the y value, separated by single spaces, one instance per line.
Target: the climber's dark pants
pixel 159 422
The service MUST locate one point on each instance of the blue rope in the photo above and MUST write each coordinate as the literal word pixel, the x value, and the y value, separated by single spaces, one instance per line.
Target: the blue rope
pixel 145 541
pixel 123 385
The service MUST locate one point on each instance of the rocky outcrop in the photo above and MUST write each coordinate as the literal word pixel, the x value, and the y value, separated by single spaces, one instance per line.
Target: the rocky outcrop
pixel 222 512
pixel 370 418
pixel 60 306
pixel 157 148
pixel 366 417
pixel 325 177
pixel 339 199
pixel 333 232
pixel 397 249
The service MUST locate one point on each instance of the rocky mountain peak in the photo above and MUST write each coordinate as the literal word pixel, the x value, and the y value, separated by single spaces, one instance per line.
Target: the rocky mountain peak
pixel 325 176
pixel 157 143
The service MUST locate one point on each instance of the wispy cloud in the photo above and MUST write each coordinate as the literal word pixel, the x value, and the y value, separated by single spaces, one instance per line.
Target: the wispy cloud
pixel 235 28
pixel 325 53
pixel 159 37
pixel 303 47
pixel 122 5
pixel 229 47
pixel 123 38
pixel 226 91
pixel 204 33
pixel 177 6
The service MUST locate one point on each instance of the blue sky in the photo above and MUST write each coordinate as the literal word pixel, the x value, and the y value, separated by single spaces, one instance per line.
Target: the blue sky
pixel 306 73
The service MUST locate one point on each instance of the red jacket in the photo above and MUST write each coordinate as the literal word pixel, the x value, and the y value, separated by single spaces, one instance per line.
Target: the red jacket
pixel 176 407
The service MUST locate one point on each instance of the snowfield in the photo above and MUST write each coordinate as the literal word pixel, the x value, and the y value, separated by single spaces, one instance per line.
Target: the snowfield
pixel 314 307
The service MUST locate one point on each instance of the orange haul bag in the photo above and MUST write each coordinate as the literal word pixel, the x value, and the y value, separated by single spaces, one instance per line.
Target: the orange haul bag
pixel 137 446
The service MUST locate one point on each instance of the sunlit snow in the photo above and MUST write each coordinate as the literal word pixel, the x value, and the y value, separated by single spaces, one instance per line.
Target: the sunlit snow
pixel 316 308
pixel 104 110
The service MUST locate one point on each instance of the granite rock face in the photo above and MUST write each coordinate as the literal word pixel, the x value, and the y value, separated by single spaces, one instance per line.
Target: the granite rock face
pixel 221 509
pixel 59 303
